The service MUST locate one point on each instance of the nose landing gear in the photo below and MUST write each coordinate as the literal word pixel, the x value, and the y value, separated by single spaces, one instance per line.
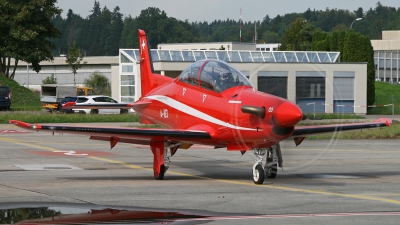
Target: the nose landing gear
pixel 270 170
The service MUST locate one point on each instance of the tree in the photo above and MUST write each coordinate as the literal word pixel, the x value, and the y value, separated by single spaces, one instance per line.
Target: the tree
pixel 50 80
pixel 369 58
pixel 74 59
pixel 270 37
pixel 25 30
pixel 99 82
pixel 298 37
pixel 353 47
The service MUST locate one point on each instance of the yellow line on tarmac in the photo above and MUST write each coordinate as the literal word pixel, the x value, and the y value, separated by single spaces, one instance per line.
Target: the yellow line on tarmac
pixel 24 143
pixel 275 187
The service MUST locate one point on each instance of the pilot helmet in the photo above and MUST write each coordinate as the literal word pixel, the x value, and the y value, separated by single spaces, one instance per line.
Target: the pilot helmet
pixel 227 77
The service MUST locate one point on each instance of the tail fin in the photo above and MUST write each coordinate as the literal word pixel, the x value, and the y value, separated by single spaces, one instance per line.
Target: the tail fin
pixel 149 79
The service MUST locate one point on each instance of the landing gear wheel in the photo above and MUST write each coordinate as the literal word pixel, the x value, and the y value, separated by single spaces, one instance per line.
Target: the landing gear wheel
pixel 272 170
pixel 159 176
pixel 258 175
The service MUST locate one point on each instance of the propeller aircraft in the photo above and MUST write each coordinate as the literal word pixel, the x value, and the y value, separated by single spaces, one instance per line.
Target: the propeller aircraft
pixel 210 103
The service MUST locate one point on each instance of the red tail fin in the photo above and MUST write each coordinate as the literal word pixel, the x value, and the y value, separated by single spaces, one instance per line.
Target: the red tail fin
pixel 149 80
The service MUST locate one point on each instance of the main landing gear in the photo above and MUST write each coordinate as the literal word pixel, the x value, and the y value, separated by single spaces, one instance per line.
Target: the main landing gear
pixel 274 159
pixel 162 151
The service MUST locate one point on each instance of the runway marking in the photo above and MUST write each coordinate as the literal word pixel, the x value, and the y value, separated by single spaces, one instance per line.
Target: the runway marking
pixel 81 153
pixel 275 187
pixel 13 132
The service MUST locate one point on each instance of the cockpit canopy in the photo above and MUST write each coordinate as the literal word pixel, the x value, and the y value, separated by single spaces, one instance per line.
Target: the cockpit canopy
pixel 213 75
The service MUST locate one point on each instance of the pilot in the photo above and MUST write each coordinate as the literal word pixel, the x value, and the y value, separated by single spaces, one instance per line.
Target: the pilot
pixel 224 81
pixel 226 77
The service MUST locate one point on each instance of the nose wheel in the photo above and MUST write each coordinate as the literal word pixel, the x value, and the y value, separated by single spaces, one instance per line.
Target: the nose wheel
pixel 258 174
pixel 258 170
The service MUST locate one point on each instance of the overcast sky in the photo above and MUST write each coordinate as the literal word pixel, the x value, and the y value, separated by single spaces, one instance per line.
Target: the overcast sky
pixel 210 10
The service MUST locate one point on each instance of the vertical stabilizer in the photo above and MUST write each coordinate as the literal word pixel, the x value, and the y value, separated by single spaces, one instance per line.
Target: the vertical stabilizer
pixel 149 79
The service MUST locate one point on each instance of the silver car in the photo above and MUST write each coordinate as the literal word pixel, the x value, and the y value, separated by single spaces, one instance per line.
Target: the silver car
pixel 98 99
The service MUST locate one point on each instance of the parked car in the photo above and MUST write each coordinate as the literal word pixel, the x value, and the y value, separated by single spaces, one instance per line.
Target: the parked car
pixel 5 97
pixel 65 100
pixel 98 99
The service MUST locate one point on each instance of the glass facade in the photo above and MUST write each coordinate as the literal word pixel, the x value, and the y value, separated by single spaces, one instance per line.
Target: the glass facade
pixel 127 60
pixel 238 56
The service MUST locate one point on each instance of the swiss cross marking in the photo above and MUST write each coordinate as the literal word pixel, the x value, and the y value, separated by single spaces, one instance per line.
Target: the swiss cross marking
pixel 143 44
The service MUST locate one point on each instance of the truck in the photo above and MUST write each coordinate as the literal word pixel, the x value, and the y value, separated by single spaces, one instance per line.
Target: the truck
pixel 51 94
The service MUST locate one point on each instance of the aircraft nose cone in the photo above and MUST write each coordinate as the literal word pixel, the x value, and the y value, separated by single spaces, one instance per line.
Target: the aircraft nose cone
pixel 287 114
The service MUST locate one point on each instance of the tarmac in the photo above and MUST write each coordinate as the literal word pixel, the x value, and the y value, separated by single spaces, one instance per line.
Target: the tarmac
pixel 325 181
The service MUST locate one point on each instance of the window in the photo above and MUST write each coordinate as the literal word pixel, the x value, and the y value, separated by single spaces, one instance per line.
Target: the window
pixel 273 85
pixel 310 87
pixel 219 76
pixel 190 75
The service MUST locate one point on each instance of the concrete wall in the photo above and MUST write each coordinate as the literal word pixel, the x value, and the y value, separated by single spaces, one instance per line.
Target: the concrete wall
pixel 62 72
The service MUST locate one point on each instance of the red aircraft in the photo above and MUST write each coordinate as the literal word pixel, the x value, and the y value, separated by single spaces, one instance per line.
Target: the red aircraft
pixel 210 103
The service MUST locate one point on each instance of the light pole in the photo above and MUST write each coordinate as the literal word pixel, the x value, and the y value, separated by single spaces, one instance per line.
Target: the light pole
pixel 355 21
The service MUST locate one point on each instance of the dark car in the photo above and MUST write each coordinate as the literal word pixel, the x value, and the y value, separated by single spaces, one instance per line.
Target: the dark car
pixel 5 97
pixel 65 100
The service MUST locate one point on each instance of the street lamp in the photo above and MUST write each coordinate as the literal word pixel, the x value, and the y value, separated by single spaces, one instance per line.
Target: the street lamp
pixel 355 21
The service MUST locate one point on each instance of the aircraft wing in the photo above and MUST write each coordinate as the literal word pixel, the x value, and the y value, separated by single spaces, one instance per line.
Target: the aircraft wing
pixel 120 134
pixel 73 105
pixel 304 131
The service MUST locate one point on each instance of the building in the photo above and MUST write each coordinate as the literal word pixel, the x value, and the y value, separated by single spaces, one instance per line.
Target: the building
pixel 386 56
pixel 268 47
pixel 316 81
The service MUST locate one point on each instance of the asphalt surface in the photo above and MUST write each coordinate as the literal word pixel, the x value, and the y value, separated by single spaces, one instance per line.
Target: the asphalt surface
pixel 327 181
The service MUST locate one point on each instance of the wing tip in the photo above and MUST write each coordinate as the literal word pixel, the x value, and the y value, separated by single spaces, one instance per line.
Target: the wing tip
pixel 24 124
pixel 20 123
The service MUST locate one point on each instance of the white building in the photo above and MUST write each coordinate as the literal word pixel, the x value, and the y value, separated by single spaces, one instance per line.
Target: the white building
pixel 386 54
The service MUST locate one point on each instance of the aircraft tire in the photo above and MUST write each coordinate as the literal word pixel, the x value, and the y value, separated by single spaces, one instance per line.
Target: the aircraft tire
pixel 259 175
pixel 160 176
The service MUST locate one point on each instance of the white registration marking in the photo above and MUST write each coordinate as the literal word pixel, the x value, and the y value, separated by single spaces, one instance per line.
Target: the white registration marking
pixel 164 113
pixel 204 97
pixel 194 112
pixel 184 91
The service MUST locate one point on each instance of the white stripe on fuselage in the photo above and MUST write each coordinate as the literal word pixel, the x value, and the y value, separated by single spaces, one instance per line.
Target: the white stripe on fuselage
pixel 194 112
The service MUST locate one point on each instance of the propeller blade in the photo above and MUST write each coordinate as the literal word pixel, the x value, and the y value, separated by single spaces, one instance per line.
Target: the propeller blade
pixel 254 110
